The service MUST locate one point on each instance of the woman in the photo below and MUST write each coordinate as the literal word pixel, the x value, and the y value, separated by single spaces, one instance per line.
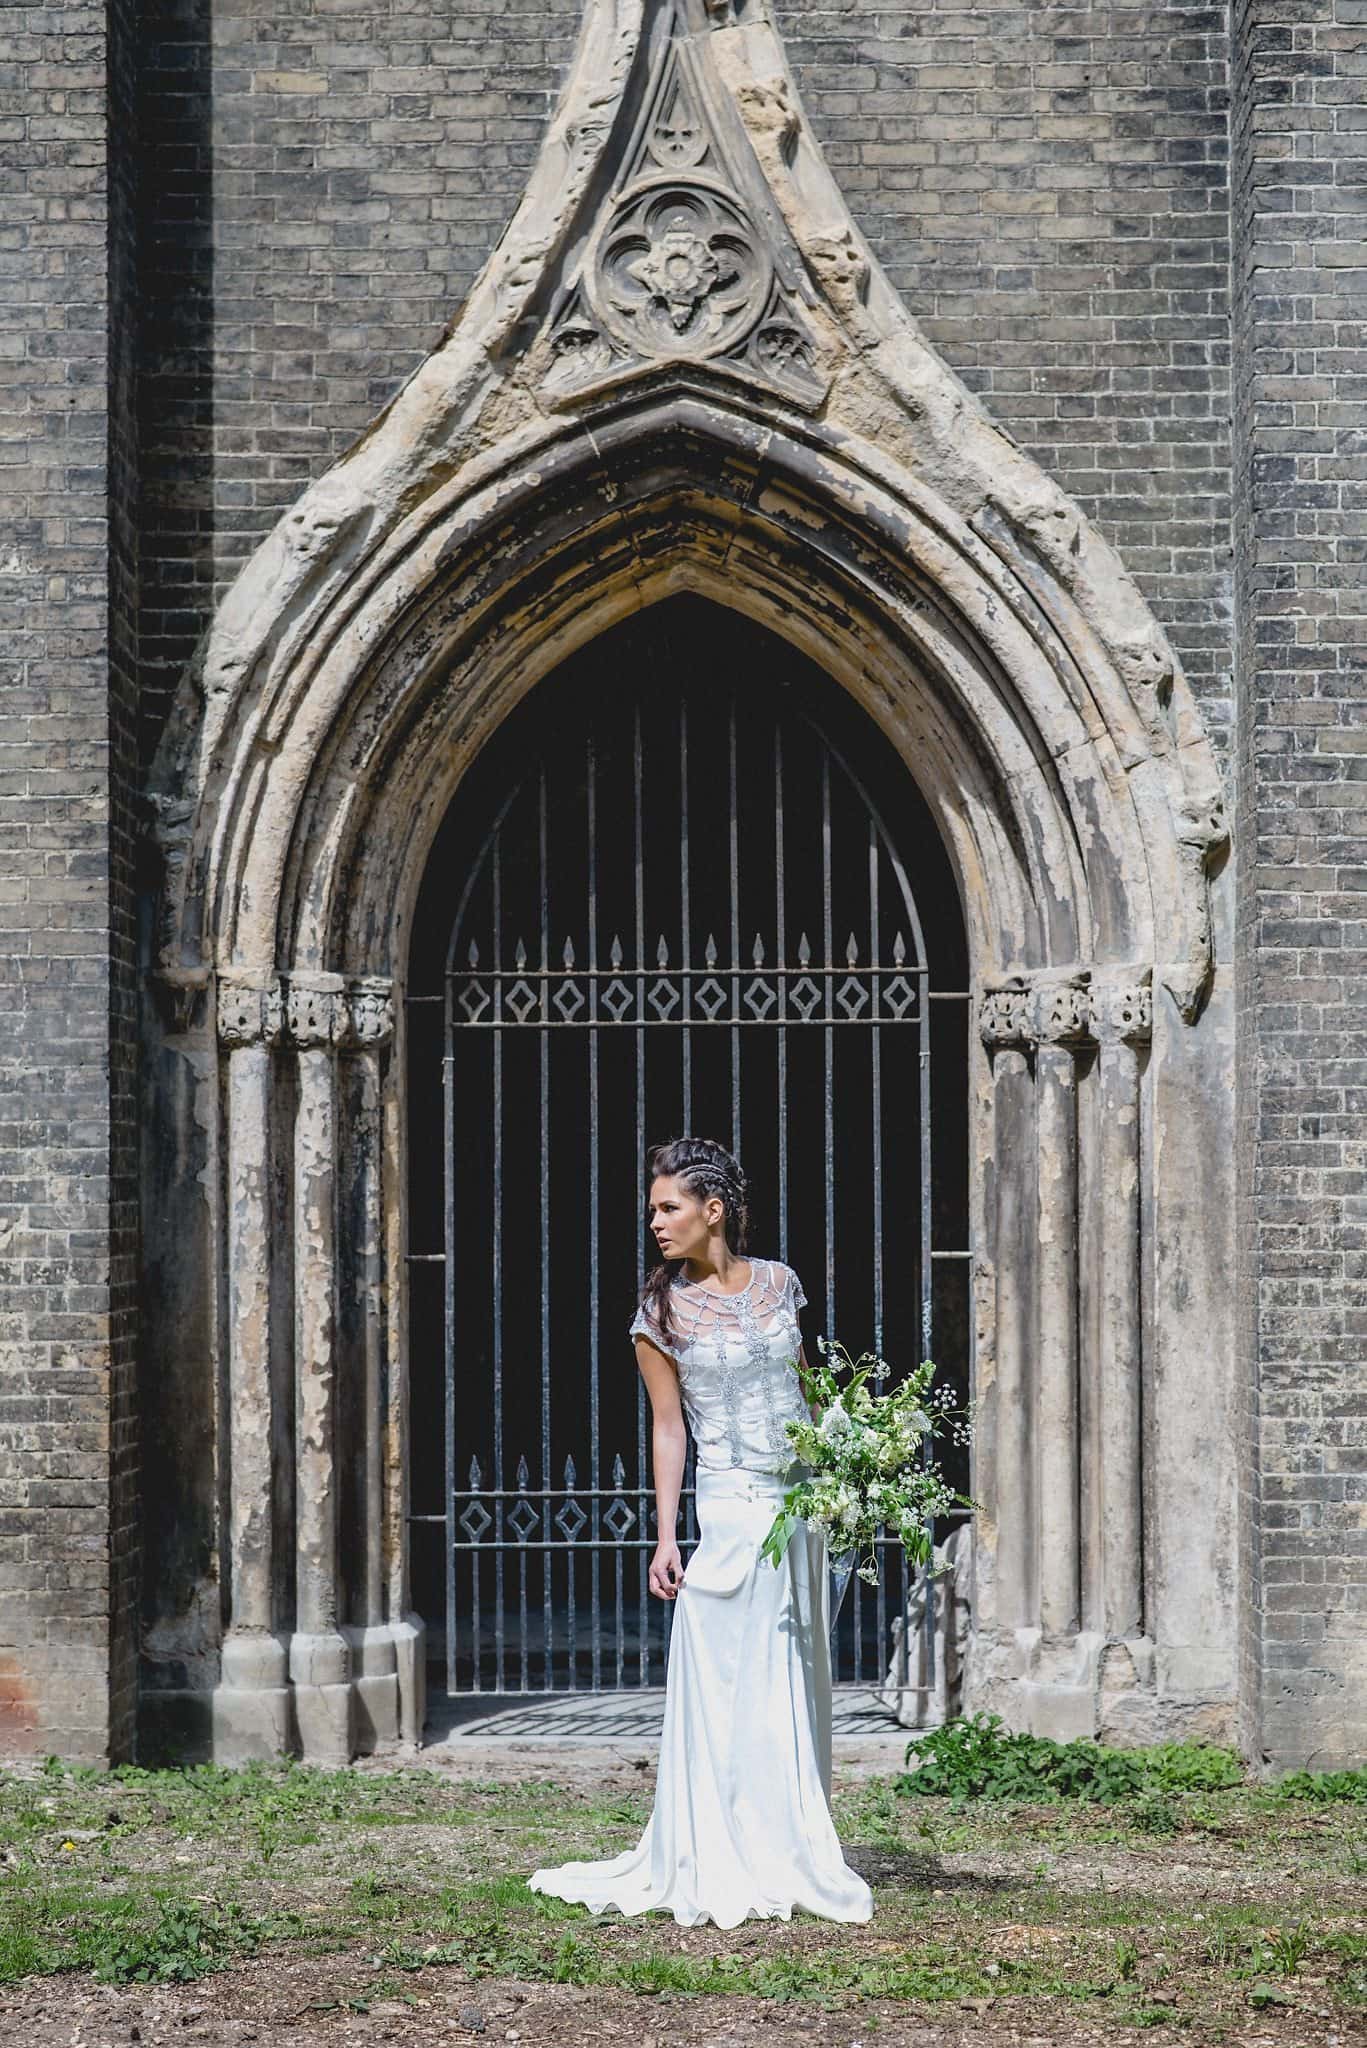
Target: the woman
pixel 741 1826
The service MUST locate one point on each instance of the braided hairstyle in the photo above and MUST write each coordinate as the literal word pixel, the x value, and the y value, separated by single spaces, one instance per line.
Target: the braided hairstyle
pixel 704 1168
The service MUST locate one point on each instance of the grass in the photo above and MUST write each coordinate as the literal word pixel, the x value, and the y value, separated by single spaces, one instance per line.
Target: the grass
pixel 1082 1883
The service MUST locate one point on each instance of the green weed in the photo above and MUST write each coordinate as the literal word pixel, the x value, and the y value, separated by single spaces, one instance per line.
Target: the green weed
pixel 1321 1787
pixel 1284 1950
pixel 185 1942
pixel 979 1758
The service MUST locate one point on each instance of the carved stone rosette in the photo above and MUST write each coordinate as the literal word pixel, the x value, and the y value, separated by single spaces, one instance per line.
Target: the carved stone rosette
pixel 679 270
pixel 682 265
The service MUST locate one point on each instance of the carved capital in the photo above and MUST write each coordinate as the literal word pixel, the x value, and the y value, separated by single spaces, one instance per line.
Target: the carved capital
pixel 1122 1008
pixel 1060 1011
pixel 1004 1014
pixel 370 1016
pixel 315 1017
pixel 249 1014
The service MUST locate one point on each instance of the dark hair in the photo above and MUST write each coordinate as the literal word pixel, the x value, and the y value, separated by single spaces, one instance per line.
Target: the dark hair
pixel 705 1168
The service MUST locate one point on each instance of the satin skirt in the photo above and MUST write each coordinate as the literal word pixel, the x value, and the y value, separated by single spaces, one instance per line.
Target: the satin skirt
pixel 741 1826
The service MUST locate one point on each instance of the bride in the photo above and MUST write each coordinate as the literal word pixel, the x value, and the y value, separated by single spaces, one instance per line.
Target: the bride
pixel 741 1827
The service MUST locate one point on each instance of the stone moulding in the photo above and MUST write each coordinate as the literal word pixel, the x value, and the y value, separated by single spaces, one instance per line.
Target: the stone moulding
pixel 329 585
pixel 681 369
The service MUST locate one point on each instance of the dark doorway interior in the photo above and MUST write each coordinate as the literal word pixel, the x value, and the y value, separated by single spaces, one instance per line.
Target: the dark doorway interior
pixel 688 885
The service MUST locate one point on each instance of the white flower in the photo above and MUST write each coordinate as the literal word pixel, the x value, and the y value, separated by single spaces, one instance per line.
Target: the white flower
pixel 835 1422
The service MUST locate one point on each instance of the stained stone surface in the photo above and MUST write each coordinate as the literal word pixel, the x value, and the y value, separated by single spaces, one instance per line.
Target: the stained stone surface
pixel 689 309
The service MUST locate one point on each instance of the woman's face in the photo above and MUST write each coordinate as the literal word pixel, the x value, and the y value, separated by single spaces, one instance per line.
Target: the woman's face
pixel 680 1223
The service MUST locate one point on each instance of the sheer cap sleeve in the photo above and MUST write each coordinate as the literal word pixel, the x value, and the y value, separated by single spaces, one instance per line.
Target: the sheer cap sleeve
pixel 796 1296
pixel 643 1324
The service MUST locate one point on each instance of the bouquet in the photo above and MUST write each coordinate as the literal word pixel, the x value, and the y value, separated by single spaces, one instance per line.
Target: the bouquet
pixel 868 1460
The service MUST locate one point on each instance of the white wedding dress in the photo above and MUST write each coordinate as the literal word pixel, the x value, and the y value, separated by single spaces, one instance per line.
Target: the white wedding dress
pixel 741 1826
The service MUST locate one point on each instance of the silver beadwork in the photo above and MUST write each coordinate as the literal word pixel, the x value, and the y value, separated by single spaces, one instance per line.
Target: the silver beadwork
pixel 735 1356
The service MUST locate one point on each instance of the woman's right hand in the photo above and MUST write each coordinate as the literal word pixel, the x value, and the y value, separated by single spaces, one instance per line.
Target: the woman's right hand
pixel 666 1572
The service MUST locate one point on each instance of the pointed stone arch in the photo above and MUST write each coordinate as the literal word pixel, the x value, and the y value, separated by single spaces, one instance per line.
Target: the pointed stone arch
pixel 682 369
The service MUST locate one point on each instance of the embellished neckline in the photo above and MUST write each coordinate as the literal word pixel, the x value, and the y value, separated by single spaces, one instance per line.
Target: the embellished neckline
pixel 696 1287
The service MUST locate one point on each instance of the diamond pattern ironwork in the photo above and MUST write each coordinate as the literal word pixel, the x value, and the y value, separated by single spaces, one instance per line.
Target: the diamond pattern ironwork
pixel 570 1520
pixel 503 1515
pixel 804 997
pixel 617 999
pixel 760 997
pixel 523 1520
pixel 521 1000
pixel 620 1519
pixel 851 996
pixel 710 998
pixel 475 1519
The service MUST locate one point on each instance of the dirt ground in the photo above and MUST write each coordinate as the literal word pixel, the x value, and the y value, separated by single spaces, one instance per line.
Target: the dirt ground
pixel 308 2004
pixel 281 1996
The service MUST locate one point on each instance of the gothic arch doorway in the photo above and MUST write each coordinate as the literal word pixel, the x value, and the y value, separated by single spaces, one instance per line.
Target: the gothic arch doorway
pixel 688 885
pixel 564 459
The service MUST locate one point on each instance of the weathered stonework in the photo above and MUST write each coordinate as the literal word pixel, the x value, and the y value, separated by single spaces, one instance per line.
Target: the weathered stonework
pixel 685 356
pixel 685 366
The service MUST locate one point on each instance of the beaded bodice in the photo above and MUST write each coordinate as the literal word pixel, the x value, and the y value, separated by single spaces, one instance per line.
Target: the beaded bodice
pixel 736 1355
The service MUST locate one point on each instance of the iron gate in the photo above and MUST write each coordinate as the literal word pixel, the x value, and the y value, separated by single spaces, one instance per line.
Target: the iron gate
pixel 687 915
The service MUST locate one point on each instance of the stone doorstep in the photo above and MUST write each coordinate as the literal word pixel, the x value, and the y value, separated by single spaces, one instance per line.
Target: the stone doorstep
pixel 612 1720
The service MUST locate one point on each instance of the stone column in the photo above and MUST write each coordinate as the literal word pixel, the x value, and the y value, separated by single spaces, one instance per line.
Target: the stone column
pixel 1121 1020
pixel 408 1628
pixel 251 1701
pixel 1061 1020
pixel 320 1658
pixel 1005 1024
pixel 370 1635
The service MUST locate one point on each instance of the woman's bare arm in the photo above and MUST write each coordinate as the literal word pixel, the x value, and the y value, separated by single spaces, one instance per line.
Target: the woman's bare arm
pixel 669 1444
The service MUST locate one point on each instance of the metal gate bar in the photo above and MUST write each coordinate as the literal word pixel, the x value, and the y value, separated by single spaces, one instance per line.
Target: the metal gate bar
pixel 569 997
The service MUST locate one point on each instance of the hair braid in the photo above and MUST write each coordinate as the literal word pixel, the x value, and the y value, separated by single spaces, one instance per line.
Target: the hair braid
pixel 705 1168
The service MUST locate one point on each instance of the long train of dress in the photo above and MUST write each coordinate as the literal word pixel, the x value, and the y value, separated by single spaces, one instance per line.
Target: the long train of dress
pixel 741 1827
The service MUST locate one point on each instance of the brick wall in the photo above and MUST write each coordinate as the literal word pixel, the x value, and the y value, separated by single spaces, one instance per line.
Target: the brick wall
pixel 1300 276
pixel 1047 186
pixel 315 191
pixel 124 1446
pixel 63 1576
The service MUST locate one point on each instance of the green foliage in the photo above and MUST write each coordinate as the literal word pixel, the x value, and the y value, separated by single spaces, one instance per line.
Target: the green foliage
pixel 866 1465
pixel 1152 1813
pixel 183 1943
pixel 1283 1951
pixel 1323 1786
pixel 979 1758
